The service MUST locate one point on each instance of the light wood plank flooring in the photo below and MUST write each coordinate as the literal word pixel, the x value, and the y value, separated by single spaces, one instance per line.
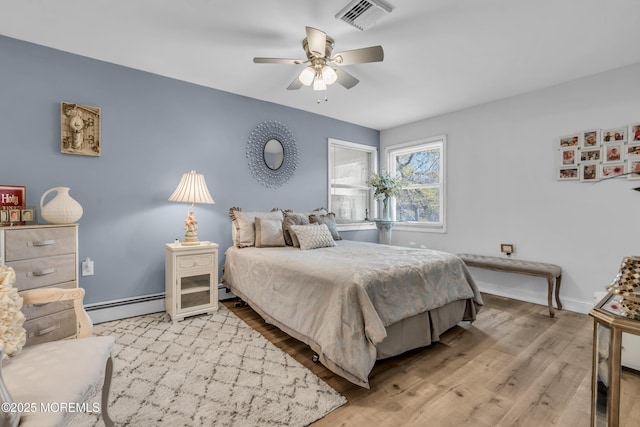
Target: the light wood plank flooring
pixel 514 366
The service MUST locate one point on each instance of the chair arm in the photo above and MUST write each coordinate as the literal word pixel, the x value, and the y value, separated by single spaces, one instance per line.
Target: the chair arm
pixel 47 295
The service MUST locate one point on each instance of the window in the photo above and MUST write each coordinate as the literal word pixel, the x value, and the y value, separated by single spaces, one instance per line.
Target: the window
pixel 350 198
pixel 421 165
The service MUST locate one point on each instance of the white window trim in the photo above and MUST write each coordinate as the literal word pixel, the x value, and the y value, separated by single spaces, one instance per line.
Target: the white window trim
pixel 409 146
pixel 364 225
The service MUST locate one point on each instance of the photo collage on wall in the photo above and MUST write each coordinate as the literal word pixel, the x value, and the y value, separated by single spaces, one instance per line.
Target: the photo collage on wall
pixel 595 154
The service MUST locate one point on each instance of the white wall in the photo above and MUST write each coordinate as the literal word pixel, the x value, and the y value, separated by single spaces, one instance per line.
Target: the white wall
pixel 502 163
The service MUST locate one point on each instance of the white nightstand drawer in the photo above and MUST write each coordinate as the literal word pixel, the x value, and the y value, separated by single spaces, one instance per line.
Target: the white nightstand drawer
pixel 191 262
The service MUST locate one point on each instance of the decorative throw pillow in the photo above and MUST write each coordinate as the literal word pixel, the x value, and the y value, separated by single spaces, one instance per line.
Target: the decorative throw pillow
pixel 12 334
pixel 289 220
pixel 268 232
pixel 329 220
pixel 243 231
pixel 313 236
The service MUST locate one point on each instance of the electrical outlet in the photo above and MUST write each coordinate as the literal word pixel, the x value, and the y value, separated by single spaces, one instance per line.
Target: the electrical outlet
pixel 87 267
pixel 506 248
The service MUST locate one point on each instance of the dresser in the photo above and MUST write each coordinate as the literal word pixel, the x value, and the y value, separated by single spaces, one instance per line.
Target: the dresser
pixel 43 256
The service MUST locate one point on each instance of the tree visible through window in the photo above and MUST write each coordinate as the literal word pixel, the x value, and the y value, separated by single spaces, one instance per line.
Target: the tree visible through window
pixel 421 168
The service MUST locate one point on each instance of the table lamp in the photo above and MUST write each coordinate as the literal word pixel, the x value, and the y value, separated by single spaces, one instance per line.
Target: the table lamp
pixel 191 189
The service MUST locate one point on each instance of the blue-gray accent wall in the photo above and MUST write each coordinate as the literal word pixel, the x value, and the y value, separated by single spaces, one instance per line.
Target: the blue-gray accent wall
pixel 153 130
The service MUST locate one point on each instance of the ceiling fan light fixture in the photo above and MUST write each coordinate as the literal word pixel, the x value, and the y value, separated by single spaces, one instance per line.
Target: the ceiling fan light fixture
pixel 319 84
pixel 306 76
pixel 329 75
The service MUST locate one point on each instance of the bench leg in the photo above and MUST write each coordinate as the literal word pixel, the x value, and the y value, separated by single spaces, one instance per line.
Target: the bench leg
pixel 558 303
pixel 550 295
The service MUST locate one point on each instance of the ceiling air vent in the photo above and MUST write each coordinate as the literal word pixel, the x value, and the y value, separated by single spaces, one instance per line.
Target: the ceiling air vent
pixel 362 14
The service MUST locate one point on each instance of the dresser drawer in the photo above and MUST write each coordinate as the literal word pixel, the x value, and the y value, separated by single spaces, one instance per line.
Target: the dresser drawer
pixel 52 327
pixel 191 262
pixel 41 272
pixel 39 242
pixel 39 310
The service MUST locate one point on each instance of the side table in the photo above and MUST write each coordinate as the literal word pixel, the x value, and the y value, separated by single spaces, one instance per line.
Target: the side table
pixel 191 279
pixel 609 324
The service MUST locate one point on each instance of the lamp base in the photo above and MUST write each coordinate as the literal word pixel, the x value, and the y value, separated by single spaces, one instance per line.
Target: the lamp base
pixel 190 239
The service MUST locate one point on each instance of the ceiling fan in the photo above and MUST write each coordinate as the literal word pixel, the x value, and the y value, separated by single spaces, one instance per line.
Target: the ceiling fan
pixel 322 69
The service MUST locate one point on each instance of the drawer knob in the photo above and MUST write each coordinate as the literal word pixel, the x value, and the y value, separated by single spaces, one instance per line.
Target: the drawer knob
pixel 44 331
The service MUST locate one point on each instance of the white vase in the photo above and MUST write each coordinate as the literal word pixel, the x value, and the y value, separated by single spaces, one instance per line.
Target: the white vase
pixel 62 209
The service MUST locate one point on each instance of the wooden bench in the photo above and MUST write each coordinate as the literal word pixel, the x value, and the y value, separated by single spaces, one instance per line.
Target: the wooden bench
pixel 550 271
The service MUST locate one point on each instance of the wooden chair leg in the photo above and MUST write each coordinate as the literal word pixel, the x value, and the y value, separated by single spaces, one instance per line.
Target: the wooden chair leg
pixel 106 386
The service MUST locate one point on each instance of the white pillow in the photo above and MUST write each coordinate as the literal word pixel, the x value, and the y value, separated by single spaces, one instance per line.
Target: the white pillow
pixel 269 233
pixel 244 225
pixel 313 236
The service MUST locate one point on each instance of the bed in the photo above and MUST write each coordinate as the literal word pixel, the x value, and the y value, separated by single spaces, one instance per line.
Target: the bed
pixel 354 302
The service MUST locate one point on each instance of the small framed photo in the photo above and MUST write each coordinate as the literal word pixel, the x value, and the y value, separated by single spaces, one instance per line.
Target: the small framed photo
pixel 590 154
pixel 611 170
pixel 4 216
pixel 568 156
pixel 634 133
pixel 633 151
pixel 610 136
pixel 569 141
pixel 28 215
pixel 589 172
pixel 14 215
pixel 568 173
pixel 634 169
pixel 613 153
pixel 591 138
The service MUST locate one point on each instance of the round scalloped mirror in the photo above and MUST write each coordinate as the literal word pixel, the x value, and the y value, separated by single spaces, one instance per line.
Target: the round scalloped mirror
pixel 272 154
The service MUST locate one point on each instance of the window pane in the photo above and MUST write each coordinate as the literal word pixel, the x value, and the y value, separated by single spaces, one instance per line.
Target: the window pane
pixel 420 167
pixel 349 204
pixel 418 204
pixel 350 167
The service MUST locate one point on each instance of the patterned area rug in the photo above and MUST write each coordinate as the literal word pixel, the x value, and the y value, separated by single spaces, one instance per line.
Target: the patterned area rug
pixel 210 370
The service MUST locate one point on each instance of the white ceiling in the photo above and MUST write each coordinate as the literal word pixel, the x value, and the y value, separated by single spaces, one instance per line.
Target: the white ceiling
pixel 440 55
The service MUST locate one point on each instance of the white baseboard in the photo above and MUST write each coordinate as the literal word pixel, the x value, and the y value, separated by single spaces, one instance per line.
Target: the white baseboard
pixel 567 303
pixel 137 306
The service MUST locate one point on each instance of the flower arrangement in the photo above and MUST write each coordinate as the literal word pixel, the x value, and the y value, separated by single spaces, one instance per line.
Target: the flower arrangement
pixel 385 185
pixel 12 334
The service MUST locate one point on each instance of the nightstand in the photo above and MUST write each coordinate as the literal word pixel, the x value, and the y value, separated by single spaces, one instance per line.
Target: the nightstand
pixel 191 279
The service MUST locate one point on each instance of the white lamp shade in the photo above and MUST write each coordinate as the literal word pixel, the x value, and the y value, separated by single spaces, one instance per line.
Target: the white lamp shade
pixel 319 84
pixel 306 76
pixel 192 189
pixel 329 75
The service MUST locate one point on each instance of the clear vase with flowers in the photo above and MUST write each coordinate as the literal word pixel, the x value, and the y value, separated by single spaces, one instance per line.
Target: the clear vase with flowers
pixel 385 186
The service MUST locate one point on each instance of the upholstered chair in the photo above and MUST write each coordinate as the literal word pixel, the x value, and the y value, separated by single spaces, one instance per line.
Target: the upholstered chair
pixel 47 384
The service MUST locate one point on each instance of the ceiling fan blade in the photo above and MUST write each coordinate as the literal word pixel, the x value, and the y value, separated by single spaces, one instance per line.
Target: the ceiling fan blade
pixel 346 79
pixel 295 84
pixel 359 56
pixel 276 61
pixel 317 40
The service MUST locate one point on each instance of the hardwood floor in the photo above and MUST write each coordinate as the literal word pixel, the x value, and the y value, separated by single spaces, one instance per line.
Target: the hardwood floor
pixel 514 366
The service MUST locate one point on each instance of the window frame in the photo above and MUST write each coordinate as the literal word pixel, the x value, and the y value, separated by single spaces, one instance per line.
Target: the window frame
pixel 420 145
pixel 373 167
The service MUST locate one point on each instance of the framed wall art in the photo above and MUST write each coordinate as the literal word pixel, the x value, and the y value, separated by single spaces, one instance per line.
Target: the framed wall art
pixel 591 138
pixel 598 154
pixel 568 173
pixel 634 133
pixel 614 135
pixel 80 129
pixel 12 201
pixel 609 171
